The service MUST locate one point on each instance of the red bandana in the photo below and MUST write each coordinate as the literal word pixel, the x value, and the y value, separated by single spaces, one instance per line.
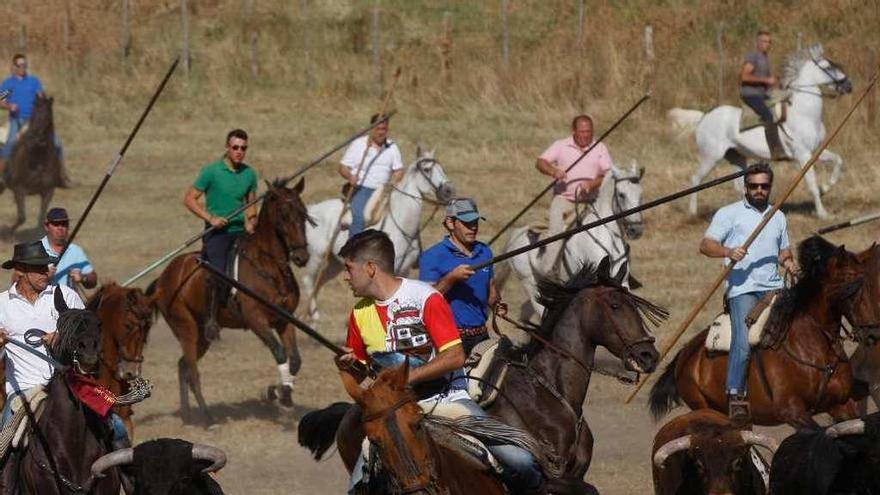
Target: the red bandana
pixel 91 393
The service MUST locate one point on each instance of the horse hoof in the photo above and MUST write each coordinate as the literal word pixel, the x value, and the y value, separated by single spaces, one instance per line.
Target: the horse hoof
pixel 282 394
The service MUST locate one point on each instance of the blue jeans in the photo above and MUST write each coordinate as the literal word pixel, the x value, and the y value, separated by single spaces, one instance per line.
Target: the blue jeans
pixel 738 359
pixel 521 472
pixel 759 105
pixel 15 125
pixel 358 203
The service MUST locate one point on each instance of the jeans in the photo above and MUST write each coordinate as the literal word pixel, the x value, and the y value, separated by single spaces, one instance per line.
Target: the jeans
pixel 216 246
pixel 521 472
pixel 738 358
pixel 15 125
pixel 358 204
pixel 759 105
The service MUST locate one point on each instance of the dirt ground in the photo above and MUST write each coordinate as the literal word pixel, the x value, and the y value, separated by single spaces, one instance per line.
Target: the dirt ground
pixel 141 217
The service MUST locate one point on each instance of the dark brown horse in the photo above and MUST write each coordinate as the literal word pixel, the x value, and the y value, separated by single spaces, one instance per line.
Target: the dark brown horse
pixel 34 167
pixel 69 436
pixel 126 318
pixel 264 265
pixel 802 370
pixel 546 386
pixel 415 461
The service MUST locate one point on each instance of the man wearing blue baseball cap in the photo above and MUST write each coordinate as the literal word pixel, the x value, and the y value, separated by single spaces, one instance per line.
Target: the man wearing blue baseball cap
pixel 447 265
pixel 74 267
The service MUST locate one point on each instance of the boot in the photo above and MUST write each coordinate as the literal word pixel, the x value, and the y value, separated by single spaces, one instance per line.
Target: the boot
pixel 738 410
pixel 212 328
pixel 777 152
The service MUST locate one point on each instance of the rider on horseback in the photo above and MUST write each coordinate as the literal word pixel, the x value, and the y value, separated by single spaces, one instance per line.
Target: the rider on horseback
pixel 228 184
pixel 755 82
pixel 580 184
pixel 755 272
pixel 399 318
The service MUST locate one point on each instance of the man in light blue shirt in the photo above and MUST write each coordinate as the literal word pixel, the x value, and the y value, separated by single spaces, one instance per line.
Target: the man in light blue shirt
pixel 755 273
pixel 74 267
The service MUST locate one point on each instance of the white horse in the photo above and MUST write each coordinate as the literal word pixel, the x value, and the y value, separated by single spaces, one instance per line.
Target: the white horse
pixel 718 131
pixel 424 181
pixel 621 190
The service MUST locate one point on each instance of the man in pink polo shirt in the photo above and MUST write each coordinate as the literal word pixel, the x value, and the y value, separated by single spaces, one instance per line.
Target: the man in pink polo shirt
pixel 580 184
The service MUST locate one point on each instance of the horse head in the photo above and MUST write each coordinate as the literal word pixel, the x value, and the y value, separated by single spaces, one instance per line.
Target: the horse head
pixel 628 195
pixel 815 69
pixel 595 309
pixel 78 340
pixel 126 318
pixel 285 211
pixel 392 420
pixel 863 312
pixel 430 178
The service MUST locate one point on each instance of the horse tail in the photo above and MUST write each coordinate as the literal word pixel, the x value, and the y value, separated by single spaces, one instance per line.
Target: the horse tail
pixel 317 429
pixel 664 393
pixel 685 121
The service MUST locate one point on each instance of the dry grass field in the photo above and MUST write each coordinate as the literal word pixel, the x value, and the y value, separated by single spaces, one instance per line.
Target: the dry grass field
pixel 487 129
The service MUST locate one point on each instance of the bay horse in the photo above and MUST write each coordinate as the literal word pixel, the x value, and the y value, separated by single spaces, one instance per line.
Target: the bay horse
pixel 263 265
pixel 546 385
pixel 411 457
pixel 800 369
pixel 69 436
pixel 126 317
pixel 34 166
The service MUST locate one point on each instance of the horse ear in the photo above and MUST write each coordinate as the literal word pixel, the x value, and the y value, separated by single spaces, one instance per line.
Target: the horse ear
pixel 268 184
pixel 621 273
pixel 604 268
pixel 400 376
pixel 641 172
pixel 434 151
pixel 418 151
pixel 300 186
pixel 60 303
pixel 352 387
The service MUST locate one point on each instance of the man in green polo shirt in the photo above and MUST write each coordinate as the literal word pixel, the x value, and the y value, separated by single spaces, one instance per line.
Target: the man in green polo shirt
pixel 227 184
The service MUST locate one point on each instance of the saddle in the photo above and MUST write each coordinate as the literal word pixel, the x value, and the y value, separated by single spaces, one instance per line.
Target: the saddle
pixel 374 210
pixel 777 103
pixel 718 339
pixel 488 364
pixel 232 261
pixel 14 433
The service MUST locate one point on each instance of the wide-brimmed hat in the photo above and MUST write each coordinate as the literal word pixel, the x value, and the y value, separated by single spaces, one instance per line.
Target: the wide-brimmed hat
pixel 30 253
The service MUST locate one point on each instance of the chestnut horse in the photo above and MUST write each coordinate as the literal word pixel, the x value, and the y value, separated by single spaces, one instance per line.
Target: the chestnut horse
pixel 264 265
pixel 546 386
pixel 126 318
pixel 414 460
pixel 801 369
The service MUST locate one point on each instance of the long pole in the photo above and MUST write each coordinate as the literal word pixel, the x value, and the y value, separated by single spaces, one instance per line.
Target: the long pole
pixel 849 223
pixel 118 159
pixel 585 153
pixel 346 203
pixel 767 216
pixel 608 219
pixel 301 171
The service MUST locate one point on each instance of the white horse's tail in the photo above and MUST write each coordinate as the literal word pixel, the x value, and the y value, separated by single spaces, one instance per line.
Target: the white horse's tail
pixel 684 121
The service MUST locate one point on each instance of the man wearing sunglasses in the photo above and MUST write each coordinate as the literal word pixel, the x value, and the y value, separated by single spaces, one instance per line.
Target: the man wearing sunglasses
pixel 755 273
pixel 227 184
pixel 23 91
pixel 74 267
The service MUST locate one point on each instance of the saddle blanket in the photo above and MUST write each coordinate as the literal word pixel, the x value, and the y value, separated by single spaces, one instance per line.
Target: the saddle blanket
pixel 718 339
pixel 776 104
pixel 374 209
pixel 13 433
pixel 486 374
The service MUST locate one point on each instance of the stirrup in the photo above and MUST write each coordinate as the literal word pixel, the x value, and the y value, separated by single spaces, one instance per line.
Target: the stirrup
pixel 739 411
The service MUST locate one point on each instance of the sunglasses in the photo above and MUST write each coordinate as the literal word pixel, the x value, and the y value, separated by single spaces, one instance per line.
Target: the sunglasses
pixel 21 66
pixel 236 147
pixel 63 223
pixel 765 186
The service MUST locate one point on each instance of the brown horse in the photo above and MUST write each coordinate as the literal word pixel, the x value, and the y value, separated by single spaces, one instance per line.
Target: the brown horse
pixel 34 167
pixel 546 385
pixel 264 265
pixel 415 461
pixel 866 358
pixel 126 318
pixel 802 370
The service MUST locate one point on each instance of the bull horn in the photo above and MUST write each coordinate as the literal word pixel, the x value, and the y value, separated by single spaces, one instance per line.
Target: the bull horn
pixel 207 453
pixel 107 461
pixel 850 427
pixel 757 439
pixel 671 447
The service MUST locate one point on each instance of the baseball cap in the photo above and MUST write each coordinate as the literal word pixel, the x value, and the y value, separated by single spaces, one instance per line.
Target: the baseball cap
pixel 57 215
pixel 464 209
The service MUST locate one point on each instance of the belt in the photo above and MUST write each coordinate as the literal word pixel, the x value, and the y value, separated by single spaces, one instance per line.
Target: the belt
pixel 472 331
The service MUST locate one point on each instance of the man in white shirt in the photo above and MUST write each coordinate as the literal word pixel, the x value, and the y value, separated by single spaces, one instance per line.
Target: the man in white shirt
pixel 380 166
pixel 27 305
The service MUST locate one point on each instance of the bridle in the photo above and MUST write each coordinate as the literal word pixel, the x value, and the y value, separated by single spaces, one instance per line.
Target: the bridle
pixel 283 213
pixel 834 81
pixel 132 329
pixel 618 207
pixel 389 416
pixel 436 188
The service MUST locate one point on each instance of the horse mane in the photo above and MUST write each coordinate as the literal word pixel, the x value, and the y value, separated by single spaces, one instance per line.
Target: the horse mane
pixel 813 255
pixel 796 60
pixel 70 325
pixel 556 296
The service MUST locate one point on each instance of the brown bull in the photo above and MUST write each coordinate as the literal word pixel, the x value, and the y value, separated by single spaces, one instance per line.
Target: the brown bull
pixel 702 452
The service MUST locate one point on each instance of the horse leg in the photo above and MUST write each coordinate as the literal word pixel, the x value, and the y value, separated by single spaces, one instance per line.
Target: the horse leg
pixel 845 411
pixel 836 169
pixel 707 163
pixel 20 213
pixel 266 334
pixel 810 178
pixel 737 159
pixel 194 347
pixel 794 413
pixel 45 200
pixel 289 370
